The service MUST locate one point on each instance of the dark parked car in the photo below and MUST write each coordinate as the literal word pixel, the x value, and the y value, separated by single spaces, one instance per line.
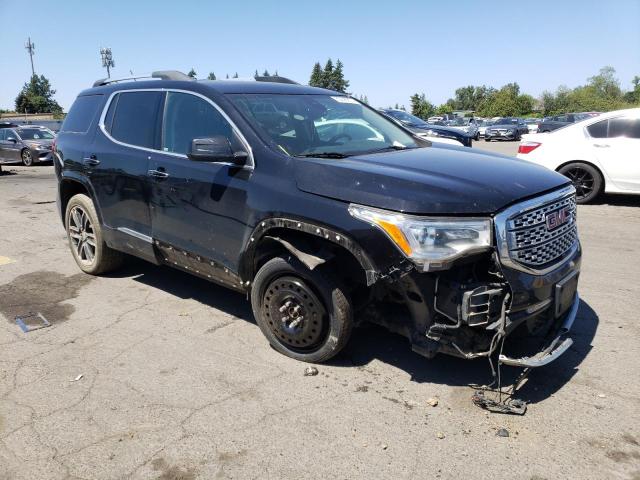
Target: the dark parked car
pixel 557 121
pixel 455 249
pixel 506 128
pixel 27 144
pixel 423 129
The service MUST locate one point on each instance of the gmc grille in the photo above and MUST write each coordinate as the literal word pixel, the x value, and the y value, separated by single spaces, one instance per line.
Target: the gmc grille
pixel 530 242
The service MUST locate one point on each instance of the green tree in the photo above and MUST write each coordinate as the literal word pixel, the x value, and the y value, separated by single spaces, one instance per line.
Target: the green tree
pixel 192 73
pixel 338 82
pixel 36 96
pixel 235 75
pixel 421 107
pixel 212 76
pixel 266 73
pixel 633 96
pixel 327 74
pixel 256 75
pixel 316 79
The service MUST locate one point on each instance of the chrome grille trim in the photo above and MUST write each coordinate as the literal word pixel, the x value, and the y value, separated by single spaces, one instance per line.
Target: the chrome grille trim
pixel 523 241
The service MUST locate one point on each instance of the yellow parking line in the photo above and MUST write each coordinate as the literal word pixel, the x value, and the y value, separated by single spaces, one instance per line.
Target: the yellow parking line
pixel 5 260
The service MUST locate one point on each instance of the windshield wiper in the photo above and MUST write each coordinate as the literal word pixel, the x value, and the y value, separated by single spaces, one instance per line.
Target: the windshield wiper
pixel 387 148
pixel 323 155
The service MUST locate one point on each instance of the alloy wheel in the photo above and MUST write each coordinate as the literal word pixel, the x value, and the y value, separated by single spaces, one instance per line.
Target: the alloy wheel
pixel 582 180
pixel 82 235
pixel 27 158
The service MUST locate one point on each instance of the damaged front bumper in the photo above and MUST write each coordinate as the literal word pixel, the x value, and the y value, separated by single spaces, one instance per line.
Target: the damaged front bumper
pixel 559 345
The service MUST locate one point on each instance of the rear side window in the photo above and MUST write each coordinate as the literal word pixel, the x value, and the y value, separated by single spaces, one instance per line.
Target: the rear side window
pixel 624 127
pixel 81 114
pixel 135 118
pixel 598 130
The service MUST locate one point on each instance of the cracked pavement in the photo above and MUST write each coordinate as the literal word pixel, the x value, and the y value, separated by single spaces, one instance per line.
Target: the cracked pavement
pixel 179 383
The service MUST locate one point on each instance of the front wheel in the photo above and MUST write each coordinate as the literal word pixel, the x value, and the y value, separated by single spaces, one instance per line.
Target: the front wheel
pixel 305 314
pixel 586 179
pixel 86 241
pixel 27 158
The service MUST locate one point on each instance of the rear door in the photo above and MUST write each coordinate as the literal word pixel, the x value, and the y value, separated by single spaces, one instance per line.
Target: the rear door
pixel 117 164
pixel 198 208
pixel 616 143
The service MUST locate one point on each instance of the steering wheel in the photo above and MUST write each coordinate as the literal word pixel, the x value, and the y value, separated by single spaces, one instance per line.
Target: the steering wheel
pixel 335 138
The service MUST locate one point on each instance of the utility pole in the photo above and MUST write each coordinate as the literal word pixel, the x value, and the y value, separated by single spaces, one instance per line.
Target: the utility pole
pixel 31 49
pixel 107 60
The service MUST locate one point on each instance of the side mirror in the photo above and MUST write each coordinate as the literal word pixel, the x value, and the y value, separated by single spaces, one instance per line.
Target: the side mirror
pixel 12 140
pixel 215 149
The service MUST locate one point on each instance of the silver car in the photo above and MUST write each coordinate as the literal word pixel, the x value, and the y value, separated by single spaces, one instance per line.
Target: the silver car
pixel 28 144
pixel 468 126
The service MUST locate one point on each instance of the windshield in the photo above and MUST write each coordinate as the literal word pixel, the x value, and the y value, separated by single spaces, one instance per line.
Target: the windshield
pixel 458 122
pixel 505 120
pixel 320 125
pixel 406 117
pixel 35 133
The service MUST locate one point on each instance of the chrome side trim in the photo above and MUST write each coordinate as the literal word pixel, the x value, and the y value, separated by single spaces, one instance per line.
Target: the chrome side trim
pixel 553 351
pixel 138 235
pixel 251 162
pixel 501 222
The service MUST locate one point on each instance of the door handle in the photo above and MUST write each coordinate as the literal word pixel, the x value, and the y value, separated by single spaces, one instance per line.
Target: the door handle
pixel 601 145
pixel 91 161
pixel 157 174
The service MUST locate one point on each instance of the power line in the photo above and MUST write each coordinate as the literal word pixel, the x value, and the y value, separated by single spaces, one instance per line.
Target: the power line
pixel 107 60
pixel 31 48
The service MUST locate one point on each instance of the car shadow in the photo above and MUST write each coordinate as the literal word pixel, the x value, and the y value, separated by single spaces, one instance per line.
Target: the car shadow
pixel 618 200
pixel 371 342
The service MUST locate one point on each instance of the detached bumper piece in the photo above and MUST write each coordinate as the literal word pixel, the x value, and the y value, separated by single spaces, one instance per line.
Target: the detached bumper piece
pixel 559 345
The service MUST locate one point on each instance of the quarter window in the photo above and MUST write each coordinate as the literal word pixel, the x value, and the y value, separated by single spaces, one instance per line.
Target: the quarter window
pixel 598 130
pixel 81 114
pixel 624 127
pixel 187 117
pixel 135 118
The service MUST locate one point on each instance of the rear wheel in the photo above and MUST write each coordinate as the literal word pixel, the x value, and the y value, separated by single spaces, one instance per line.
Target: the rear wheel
pixel 27 158
pixel 586 179
pixel 304 314
pixel 86 241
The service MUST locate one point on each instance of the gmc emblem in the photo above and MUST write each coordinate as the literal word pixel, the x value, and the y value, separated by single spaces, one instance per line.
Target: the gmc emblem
pixel 558 218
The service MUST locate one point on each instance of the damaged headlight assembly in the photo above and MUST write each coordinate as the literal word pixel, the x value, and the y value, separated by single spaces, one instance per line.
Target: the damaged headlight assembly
pixel 430 242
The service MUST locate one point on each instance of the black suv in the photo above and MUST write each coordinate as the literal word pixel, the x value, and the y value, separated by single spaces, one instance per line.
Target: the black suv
pixel 326 215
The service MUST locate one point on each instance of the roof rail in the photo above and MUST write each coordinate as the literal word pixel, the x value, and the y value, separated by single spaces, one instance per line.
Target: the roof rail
pixel 160 74
pixel 276 79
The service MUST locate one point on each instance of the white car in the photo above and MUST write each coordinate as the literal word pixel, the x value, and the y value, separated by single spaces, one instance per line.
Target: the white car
pixel 599 154
pixel 532 124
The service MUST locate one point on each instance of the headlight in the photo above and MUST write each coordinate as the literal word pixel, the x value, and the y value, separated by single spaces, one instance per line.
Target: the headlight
pixel 429 242
pixel 429 133
pixel 511 130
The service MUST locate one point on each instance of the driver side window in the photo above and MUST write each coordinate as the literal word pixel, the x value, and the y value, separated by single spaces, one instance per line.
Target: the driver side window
pixel 187 117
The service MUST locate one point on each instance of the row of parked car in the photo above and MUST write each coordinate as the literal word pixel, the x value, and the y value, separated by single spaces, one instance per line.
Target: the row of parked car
pixel 474 128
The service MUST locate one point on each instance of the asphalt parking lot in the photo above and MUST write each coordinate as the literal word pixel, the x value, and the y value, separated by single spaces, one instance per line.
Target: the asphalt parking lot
pixel 151 373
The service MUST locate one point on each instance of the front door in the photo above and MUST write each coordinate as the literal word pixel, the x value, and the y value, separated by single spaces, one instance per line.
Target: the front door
pixel 9 145
pixel 198 209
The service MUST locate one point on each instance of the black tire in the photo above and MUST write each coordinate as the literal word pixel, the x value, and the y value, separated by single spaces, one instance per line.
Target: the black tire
pixel 586 179
pixel 27 158
pixel 477 137
pixel 86 241
pixel 321 325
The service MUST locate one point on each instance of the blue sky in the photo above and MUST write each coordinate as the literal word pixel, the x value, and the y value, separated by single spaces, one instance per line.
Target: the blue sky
pixel 391 49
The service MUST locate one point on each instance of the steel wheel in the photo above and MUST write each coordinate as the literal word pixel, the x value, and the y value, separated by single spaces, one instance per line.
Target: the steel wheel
pixel 27 158
pixel 582 180
pixel 82 235
pixel 294 314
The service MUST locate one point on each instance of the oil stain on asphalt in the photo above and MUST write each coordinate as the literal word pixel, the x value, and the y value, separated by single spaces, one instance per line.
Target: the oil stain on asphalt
pixel 45 292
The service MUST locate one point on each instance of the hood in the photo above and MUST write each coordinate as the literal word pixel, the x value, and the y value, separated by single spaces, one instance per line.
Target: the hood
pixel 427 180
pixel 503 125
